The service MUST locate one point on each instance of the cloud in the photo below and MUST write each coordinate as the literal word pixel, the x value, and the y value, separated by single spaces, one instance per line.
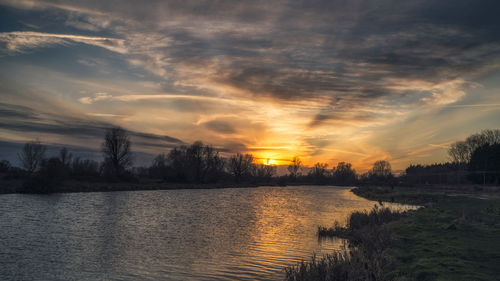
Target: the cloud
pixel 255 48
pixel 345 118
pixel 446 93
pixel 29 120
pixel 97 97
pixel 298 67
pixel 21 41
pixel 220 127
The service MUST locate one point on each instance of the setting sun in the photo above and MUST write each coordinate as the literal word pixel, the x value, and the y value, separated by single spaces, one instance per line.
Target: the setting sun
pixel 270 162
pixel 249 140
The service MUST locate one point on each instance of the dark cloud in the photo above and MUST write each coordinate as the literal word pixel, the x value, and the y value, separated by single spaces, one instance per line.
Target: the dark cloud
pixel 158 138
pixel 220 126
pixel 26 119
pixel 342 52
pixel 11 111
pixel 302 49
pixel 426 40
pixel 343 117
pixel 232 147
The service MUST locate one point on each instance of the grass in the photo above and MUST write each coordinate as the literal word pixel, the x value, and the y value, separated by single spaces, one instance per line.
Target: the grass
pixel 352 265
pixel 459 239
pixel 452 238
pixel 358 222
pixel 366 257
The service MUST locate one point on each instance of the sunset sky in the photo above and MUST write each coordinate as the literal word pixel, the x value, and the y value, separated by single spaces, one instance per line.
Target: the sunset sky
pixel 327 81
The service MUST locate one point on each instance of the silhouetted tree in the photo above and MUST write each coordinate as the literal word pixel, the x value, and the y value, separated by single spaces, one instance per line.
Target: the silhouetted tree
pixel 318 172
pixel 31 156
pixel 65 159
pixel 344 174
pixel 195 163
pixel 240 165
pixel 379 174
pixel 159 168
pixel 485 163
pixel 381 168
pixel 65 156
pixel 213 167
pixel 4 166
pixel 461 151
pixel 194 154
pixel 116 152
pixel 264 172
pixel 178 164
pixel 50 174
pixel 84 169
pixel 438 173
pixel 295 167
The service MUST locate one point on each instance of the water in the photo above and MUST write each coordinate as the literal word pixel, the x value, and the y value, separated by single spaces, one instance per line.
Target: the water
pixel 208 234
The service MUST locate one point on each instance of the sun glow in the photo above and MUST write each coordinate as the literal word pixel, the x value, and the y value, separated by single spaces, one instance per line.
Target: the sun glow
pixel 270 162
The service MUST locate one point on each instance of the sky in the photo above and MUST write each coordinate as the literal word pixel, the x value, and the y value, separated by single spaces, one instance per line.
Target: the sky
pixel 327 81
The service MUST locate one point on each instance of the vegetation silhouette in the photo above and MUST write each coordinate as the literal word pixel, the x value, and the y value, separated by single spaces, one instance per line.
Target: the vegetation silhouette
pixel 295 168
pixel 474 160
pixel 365 258
pixel 117 154
pixel 240 166
pixel 31 156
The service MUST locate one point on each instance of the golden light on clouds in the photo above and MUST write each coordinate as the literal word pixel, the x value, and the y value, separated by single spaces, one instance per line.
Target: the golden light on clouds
pixel 327 84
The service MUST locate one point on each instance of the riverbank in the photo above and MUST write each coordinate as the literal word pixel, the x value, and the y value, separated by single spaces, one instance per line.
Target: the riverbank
pixel 455 236
pixel 71 186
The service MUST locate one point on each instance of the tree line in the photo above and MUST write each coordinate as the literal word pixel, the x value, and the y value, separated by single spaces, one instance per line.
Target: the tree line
pixel 202 164
pixel 475 159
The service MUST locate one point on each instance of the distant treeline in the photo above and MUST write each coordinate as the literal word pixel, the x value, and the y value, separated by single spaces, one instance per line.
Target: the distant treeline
pixel 474 160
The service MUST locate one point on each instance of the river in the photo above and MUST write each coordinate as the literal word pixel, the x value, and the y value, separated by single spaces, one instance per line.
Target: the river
pixel 203 234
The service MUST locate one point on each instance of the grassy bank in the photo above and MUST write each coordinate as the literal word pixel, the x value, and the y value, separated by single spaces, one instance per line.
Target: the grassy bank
pixel 457 239
pixel 456 236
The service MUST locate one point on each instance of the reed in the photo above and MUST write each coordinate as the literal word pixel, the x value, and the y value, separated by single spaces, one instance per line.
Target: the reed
pixel 365 257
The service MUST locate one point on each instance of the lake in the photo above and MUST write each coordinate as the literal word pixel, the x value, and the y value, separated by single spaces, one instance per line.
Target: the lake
pixel 203 234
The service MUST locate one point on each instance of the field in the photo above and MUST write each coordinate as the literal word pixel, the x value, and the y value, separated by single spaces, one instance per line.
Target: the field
pixel 454 236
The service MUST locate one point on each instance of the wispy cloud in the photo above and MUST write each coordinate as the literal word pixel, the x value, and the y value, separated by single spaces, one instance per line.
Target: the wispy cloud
pixel 255 74
pixel 21 41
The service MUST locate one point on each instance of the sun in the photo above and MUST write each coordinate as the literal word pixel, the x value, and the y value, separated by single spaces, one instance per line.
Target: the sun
pixel 270 162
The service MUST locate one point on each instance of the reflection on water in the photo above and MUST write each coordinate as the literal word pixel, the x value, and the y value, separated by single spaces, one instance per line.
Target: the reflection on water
pixel 223 234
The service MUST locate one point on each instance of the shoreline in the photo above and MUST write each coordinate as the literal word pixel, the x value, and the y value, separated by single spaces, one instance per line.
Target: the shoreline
pixel 76 186
pixel 444 239
pixel 454 235
pixel 16 186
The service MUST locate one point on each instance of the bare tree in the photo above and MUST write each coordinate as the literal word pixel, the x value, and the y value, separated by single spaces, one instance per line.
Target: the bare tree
pixel 294 167
pixel 461 151
pixel 240 165
pixel 381 168
pixel 195 163
pixel 4 166
pixel 159 167
pixel 31 155
pixel 65 156
pixel 264 172
pixel 344 173
pixel 319 170
pixel 492 136
pixel 116 150
pixel 213 164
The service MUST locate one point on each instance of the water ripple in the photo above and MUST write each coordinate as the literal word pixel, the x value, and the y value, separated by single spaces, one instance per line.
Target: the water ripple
pixel 221 234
